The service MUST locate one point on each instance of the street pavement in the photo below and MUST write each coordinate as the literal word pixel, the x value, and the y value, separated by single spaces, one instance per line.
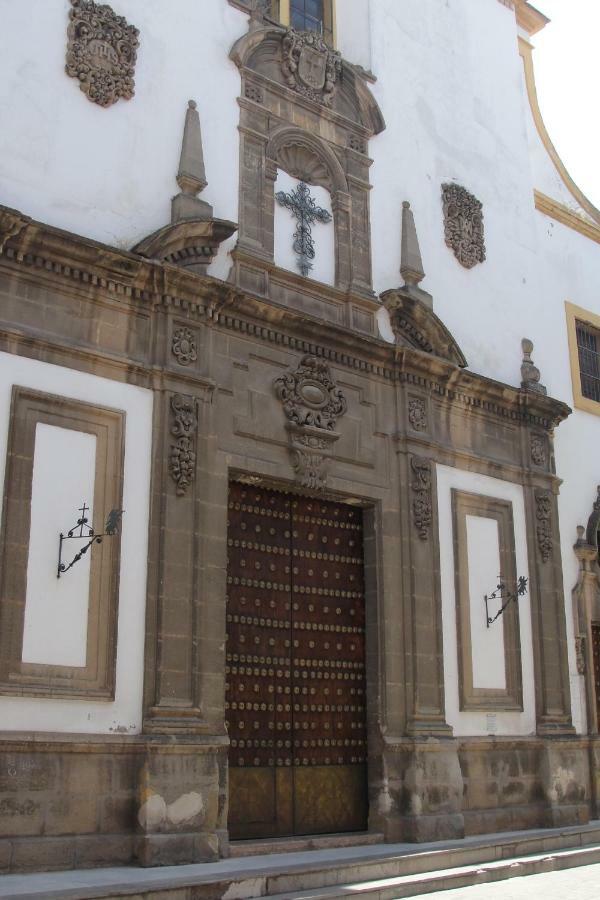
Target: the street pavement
pixel 581 883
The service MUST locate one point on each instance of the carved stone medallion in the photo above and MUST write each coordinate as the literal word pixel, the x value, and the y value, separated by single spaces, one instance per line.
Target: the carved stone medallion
pixel 101 52
pixel 421 487
pixel 310 67
pixel 184 347
pixel 543 512
pixel 310 396
pixel 538 450
pixel 417 414
pixel 182 459
pixel 463 225
pixel 312 403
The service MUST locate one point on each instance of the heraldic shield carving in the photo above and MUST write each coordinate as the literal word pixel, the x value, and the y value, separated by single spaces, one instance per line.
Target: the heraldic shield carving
pixel 463 225
pixel 312 402
pixel 101 52
pixel 310 67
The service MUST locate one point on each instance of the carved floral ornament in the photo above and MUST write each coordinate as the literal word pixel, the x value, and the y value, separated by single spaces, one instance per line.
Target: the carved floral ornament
pixel 101 52
pixel 309 66
pixel 182 458
pixel 421 488
pixel 312 403
pixel 463 225
pixel 543 513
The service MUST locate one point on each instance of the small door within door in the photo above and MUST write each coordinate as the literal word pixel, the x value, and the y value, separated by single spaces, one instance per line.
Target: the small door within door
pixel 295 699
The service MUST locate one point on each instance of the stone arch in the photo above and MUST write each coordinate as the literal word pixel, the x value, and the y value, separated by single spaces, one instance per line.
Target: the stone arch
pixel 306 157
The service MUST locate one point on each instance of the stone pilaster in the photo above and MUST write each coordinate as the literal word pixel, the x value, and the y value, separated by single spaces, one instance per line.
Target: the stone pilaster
pixel 552 691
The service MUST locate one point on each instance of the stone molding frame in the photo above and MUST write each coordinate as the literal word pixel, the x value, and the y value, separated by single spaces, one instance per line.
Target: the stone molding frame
pixel 95 680
pixel 586 608
pixel 321 144
pixel 509 698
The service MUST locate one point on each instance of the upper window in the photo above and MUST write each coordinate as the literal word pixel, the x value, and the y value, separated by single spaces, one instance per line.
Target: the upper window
pixel 306 15
pixel 588 350
pixel 583 329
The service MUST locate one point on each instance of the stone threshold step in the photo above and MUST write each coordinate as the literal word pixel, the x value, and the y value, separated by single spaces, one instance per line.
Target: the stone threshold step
pixel 302 843
pixel 448 879
pixel 288 874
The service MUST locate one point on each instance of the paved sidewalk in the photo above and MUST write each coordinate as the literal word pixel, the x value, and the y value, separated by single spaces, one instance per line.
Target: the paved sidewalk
pixel 572 884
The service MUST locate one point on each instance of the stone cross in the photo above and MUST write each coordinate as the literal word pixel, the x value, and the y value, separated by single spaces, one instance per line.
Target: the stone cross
pixel 304 208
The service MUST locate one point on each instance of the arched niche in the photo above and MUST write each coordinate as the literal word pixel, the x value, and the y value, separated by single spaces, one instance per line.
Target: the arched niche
pixel 316 134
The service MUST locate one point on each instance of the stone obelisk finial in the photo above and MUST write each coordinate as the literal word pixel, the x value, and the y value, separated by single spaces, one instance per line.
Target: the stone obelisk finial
pixel 411 263
pixel 191 176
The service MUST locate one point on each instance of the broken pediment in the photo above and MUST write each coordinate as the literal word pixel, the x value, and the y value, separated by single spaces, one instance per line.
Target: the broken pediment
pixel 415 325
pixel 303 63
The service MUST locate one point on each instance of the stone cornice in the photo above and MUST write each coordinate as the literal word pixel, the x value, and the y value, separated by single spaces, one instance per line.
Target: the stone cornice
pixel 131 279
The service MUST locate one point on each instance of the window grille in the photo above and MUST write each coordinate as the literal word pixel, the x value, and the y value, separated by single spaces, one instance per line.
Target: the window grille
pixel 312 15
pixel 588 348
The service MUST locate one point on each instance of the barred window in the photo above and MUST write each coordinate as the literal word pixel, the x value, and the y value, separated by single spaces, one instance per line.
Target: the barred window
pixel 588 348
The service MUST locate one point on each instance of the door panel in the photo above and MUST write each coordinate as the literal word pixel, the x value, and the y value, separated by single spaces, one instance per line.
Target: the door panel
pixel 295 665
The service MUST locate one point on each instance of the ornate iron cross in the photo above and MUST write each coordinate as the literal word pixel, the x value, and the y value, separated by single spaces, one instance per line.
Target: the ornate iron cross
pixel 304 208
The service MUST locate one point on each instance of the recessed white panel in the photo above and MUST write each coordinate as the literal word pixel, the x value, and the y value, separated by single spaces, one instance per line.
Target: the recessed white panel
pixel 487 644
pixel 323 234
pixel 56 609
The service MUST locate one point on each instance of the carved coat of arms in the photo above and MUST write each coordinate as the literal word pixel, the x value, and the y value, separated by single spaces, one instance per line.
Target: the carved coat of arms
pixel 312 403
pixel 101 52
pixel 310 67
pixel 463 225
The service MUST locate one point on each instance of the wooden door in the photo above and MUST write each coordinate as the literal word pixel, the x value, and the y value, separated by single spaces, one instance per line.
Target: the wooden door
pixel 295 701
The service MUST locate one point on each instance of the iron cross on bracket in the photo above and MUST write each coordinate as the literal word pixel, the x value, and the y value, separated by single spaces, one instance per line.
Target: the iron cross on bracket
pixel 304 208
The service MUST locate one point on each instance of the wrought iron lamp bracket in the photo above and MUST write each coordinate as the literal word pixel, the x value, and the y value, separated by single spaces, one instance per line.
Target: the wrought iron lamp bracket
pixel 86 533
pixel 507 597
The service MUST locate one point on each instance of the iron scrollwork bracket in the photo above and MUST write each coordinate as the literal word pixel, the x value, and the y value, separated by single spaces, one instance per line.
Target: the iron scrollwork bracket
pixel 507 597
pixel 86 533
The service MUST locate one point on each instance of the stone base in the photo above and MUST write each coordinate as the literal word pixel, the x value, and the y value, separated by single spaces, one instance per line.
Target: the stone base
pixel 420 791
pixel 176 849
pixel 81 802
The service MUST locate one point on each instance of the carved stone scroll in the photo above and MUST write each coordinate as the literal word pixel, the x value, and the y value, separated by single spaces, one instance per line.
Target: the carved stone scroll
pixel 543 507
pixel 182 459
pixel 309 66
pixel 421 487
pixel 463 225
pixel 12 222
pixel 101 52
pixel 312 403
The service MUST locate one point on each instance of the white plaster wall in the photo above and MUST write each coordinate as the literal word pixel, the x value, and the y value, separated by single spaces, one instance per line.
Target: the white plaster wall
pixel 487 644
pixel 56 609
pixel 323 234
pixel 474 723
pixel 125 713
pixel 109 174
pixel 353 30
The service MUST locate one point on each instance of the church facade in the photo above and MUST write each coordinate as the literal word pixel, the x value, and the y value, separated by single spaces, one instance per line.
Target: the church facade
pixel 293 466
